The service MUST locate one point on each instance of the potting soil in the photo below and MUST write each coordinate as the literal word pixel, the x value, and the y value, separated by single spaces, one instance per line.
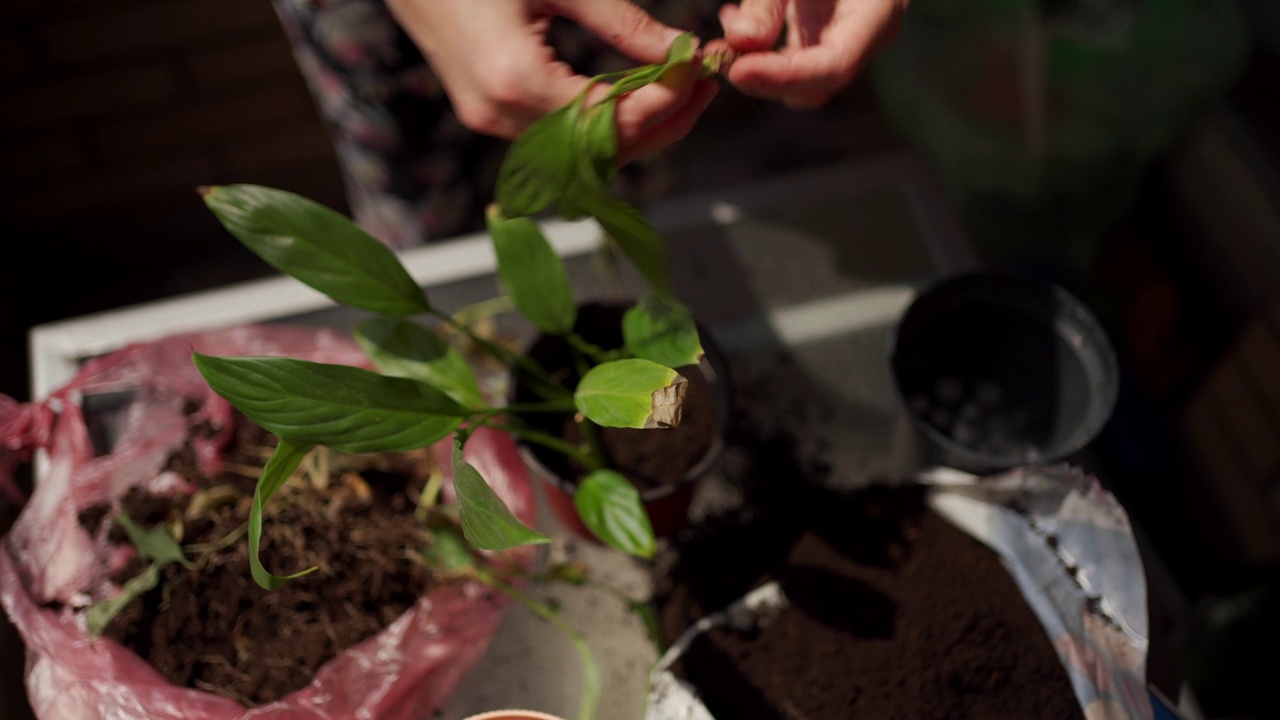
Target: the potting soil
pixel 215 629
pixel 894 613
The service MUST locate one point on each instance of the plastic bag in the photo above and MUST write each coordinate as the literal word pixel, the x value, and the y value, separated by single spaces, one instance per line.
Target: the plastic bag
pixel 1069 547
pixel 49 566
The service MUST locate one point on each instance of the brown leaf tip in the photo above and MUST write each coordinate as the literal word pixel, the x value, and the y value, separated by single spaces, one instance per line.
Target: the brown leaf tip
pixel 668 405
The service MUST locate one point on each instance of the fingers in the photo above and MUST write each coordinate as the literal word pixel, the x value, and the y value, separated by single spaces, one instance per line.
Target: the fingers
pixel 507 98
pixel 803 79
pixel 674 127
pixel 622 24
pixel 824 54
pixel 642 110
pixel 753 25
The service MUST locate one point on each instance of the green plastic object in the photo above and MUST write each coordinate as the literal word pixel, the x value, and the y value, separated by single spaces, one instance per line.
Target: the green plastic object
pixel 1039 116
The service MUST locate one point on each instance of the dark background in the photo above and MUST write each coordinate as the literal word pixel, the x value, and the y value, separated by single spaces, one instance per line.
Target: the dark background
pixel 111 113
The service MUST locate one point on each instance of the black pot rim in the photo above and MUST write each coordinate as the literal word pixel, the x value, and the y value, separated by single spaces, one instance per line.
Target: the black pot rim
pixel 1081 318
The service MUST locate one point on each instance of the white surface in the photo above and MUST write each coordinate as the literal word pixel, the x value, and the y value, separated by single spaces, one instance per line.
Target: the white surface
pixel 56 348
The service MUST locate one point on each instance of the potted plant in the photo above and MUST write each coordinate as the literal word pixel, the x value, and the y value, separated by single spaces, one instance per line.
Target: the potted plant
pixel 424 390
pixel 319 396
pixel 141 516
pixel 664 466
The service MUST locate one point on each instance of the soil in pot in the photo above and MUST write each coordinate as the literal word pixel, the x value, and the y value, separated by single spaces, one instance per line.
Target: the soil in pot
pixel 215 629
pixel 893 612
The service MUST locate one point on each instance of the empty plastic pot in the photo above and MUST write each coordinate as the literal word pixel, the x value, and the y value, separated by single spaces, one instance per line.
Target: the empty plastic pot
pixel 999 370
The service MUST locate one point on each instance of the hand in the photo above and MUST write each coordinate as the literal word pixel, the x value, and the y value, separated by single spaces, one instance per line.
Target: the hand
pixel 827 42
pixel 492 59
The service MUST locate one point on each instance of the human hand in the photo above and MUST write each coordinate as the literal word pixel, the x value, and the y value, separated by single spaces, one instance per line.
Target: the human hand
pixel 493 61
pixel 827 42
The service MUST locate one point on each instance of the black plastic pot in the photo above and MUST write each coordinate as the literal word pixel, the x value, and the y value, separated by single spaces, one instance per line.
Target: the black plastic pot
pixel 1000 370
pixel 667 504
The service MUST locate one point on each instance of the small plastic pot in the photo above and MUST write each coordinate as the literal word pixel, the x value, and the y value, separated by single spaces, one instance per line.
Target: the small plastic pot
pixel 1000 370
pixel 667 504
pixel 514 715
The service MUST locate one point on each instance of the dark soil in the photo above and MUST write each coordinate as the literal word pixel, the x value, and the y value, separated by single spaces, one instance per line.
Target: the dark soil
pixel 215 629
pixel 894 612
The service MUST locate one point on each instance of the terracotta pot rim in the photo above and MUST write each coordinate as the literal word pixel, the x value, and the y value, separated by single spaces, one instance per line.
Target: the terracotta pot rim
pixel 514 714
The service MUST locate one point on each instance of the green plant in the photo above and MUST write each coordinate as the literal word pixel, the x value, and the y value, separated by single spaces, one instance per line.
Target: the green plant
pixel 424 389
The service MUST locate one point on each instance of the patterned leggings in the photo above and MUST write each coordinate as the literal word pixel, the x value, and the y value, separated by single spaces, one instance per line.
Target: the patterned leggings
pixel 413 173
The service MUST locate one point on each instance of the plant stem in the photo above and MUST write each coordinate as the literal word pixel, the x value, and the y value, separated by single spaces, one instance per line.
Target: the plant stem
pixel 590 349
pixel 550 441
pixel 594 448
pixel 218 544
pixel 559 405
pixel 485 309
pixel 497 351
pixel 639 608
pixel 585 426
pixel 563 406
pixel 539 380
pixel 579 359
pixel 430 494
pixel 590 672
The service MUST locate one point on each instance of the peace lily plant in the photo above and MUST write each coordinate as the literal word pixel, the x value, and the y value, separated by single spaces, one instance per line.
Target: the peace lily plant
pixel 424 390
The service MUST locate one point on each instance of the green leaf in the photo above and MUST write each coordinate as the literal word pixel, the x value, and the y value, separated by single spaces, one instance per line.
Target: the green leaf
pixel 636 79
pixel 627 226
pixel 680 52
pixel 346 408
pixel 595 140
pixel 597 144
pixel 610 507
pixel 404 349
pixel 284 461
pixel 631 393
pixel 449 552
pixel 533 273
pixel 100 614
pixel 539 165
pixel 319 247
pixel 155 544
pixel 486 521
pixel 660 329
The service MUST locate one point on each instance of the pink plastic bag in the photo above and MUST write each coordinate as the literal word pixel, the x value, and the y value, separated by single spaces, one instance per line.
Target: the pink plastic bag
pixel 404 672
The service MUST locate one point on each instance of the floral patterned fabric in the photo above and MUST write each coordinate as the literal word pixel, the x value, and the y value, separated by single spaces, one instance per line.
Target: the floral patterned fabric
pixel 413 173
